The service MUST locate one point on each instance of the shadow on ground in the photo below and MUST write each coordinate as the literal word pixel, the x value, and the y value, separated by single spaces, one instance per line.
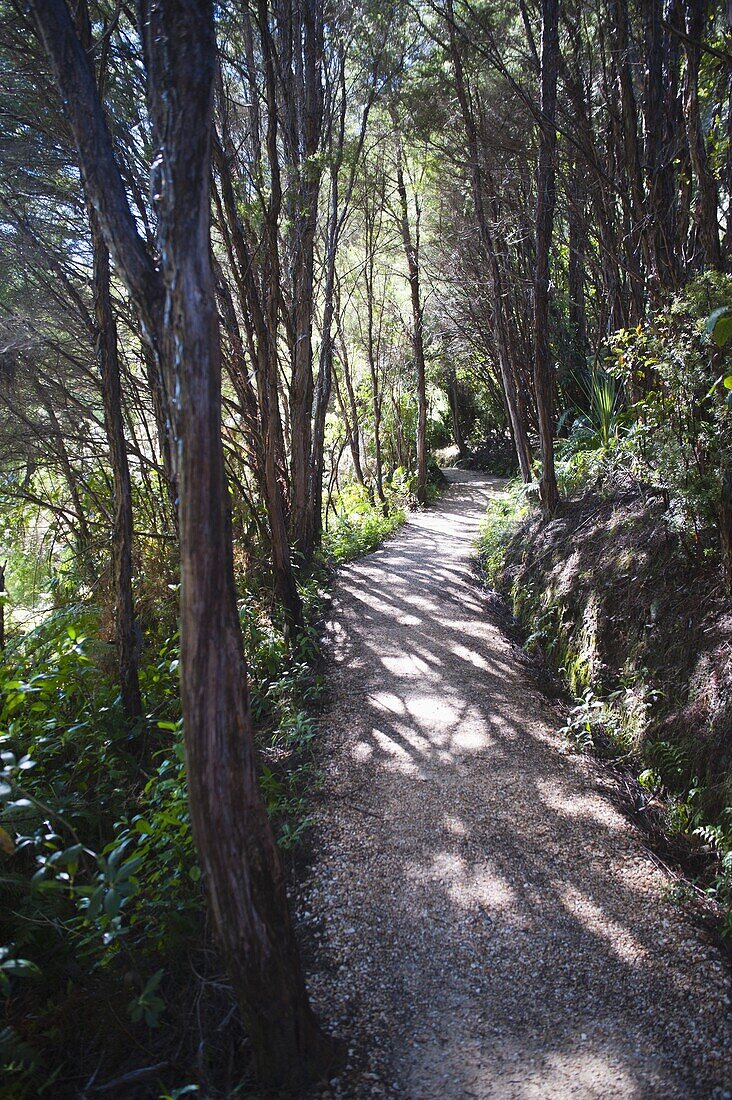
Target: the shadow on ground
pixel 491 924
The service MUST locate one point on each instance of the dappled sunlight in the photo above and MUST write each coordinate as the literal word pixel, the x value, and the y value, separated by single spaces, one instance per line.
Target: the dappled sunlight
pixel 596 920
pixel 431 712
pixel 485 853
pixel 398 756
pixel 598 1075
pixel 454 825
pixel 466 886
pixel 471 656
pixel 469 740
pixel 408 666
pixel 580 804
pixel 385 700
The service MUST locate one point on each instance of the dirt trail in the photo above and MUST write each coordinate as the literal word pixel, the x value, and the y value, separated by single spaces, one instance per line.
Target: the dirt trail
pixel 487 923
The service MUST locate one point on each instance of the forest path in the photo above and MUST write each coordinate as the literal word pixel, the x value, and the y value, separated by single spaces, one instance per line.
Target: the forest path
pixel 487 922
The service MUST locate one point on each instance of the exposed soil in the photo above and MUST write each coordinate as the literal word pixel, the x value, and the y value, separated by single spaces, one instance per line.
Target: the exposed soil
pixel 486 921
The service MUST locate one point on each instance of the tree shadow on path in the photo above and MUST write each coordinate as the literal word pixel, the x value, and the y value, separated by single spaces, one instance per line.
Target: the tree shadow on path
pixel 491 916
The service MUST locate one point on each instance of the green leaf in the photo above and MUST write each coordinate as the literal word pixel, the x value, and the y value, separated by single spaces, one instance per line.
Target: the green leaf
pixel 727 382
pixel 116 856
pixel 95 903
pixel 153 983
pixel 112 902
pixel 19 966
pixel 719 326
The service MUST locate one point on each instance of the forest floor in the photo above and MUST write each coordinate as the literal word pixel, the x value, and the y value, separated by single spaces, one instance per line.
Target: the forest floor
pixel 482 920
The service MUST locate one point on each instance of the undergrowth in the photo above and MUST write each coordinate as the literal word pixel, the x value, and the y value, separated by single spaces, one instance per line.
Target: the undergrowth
pixel 361 522
pixel 100 887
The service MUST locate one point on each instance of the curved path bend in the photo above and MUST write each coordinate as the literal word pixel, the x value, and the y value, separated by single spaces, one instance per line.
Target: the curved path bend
pixel 486 922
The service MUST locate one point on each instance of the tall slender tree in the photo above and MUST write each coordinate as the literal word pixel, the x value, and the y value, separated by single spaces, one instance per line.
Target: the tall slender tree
pixel 177 308
pixel 545 203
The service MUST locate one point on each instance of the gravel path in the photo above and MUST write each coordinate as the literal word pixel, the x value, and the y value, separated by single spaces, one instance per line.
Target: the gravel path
pixel 485 921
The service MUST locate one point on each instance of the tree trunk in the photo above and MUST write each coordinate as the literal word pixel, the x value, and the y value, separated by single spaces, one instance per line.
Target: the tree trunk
pixel 577 220
pixel 519 431
pixel 660 143
pixel 411 253
pixel 127 648
pixel 352 438
pixel 305 109
pixel 325 371
pixel 108 360
pixel 707 250
pixel 264 348
pixel 545 202
pixel 454 400
pixel 242 869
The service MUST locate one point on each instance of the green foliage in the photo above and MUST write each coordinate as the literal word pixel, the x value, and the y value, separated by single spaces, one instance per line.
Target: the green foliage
pixel 361 523
pixel 500 521
pixel 719 326
pixel 148 1004
pixel 98 870
pixel 614 720
pixel 598 421
pixel 99 878
pixel 617 711
pixel 673 374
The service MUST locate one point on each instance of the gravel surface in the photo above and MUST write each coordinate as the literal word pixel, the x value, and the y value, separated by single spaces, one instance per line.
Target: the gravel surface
pixel 484 921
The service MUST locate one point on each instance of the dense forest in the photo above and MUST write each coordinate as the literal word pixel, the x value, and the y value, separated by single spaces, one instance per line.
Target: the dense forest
pixel 265 268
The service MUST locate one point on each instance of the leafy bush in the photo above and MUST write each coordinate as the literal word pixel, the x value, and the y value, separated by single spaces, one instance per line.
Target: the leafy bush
pixel 599 420
pixel 361 525
pixel 99 877
pixel 672 372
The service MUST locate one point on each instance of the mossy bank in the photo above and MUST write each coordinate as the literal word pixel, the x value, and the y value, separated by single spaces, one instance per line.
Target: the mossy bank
pixel 637 624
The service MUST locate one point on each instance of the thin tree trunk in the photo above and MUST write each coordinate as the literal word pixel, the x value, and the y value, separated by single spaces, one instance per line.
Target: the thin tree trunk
pixel 351 432
pixel 325 371
pixel 107 357
pixel 546 198
pixel 708 252
pixel 83 534
pixel 307 119
pixel 411 253
pixel 659 150
pixel 376 394
pixel 576 219
pixel 108 361
pixel 264 348
pixel 519 431
pixel 454 400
